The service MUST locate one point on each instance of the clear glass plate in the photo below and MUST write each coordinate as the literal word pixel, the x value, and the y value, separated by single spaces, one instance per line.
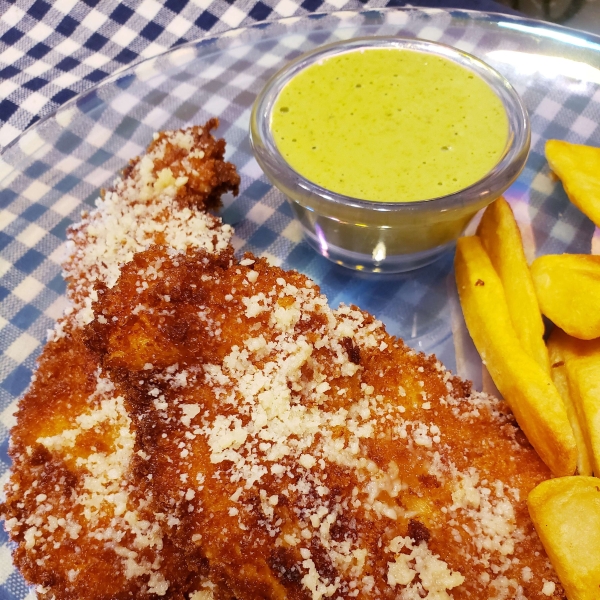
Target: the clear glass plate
pixel 56 169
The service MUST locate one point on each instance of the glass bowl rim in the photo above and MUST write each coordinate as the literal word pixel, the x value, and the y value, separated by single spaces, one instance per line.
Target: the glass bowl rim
pixel 491 185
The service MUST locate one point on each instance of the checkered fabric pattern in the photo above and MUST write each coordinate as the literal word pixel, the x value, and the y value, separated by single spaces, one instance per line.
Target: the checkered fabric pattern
pixel 51 51
pixel 57 168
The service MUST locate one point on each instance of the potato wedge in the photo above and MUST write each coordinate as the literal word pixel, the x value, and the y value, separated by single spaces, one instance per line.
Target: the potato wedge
pixel 582 363
pixel 558 372
pixel 568 290
pixel 502 241
pixel 566 515
pixel 526 387
pixel 578 167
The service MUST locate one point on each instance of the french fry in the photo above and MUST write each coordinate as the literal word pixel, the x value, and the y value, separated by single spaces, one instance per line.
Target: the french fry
pixel 526 387
pixel 566 515
pixel 558 372
pixel 582 363
pixel 502 241
pixel 578 168
pixel 568 290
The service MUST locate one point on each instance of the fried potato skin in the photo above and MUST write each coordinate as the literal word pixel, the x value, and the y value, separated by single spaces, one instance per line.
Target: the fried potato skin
pixel 502 241
pixel 199 295
pixel 566 514
pixel 528 389
pixel 557 278
pixel 577 166
pixel 558 371
pixel 582 365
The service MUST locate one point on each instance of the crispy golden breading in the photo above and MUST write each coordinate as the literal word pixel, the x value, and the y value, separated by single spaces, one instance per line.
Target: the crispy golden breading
pixel 206 429
pixel 200 160
pixel 305 452
pixel 76 503
pixel 161 198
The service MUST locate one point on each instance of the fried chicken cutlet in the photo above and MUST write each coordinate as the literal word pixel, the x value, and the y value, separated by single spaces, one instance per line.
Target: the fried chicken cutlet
pixel 307 454
pixel 73 504
pixel 161 198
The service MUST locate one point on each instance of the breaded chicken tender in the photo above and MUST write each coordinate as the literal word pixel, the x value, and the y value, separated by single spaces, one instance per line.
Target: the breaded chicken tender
pixel 303 452
pixel 76 505
pixel 72 505
pixel 162 199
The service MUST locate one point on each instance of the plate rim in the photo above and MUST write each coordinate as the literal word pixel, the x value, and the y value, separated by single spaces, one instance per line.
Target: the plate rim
pixel 236 32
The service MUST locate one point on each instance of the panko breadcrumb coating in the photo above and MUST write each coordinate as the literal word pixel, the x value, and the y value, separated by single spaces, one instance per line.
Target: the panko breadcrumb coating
pixel 161 198
pixel 75 505
pixel 307 454
pixel 206 429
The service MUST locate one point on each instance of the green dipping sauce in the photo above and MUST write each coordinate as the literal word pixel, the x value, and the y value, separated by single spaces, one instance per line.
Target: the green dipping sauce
pixel 390 125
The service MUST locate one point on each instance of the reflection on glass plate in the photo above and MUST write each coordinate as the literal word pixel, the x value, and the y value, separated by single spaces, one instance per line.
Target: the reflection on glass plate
pixel 57 168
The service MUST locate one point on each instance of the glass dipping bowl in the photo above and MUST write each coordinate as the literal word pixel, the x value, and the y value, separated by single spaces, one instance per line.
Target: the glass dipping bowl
pixel 379 236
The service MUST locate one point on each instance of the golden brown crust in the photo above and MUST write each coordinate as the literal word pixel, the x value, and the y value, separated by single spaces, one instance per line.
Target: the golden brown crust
pixel 217 431
pixel 77 501
pixel 451 469
pixel 54 547
pixel 208 175
pixel 161 199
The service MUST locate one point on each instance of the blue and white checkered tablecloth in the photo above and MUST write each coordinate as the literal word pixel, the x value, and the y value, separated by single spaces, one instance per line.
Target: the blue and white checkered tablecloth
pixel 56 168
pixel 52 51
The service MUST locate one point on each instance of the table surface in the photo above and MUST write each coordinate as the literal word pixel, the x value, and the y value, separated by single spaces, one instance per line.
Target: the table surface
pixel 52 51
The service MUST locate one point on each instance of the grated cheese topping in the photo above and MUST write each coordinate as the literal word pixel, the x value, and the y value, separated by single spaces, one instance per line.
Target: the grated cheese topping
pixel 104 508
pixel 290 411
pixel 161 199
pixel 140 210
pixel 319 450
